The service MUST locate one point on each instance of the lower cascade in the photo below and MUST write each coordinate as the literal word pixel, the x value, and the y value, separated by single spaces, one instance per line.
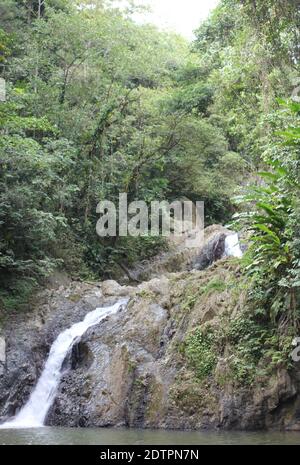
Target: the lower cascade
pixel 34 412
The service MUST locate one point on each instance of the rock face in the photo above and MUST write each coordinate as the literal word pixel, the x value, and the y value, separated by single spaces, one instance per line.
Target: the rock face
pixel 212 250
pixel 180 258
pixel 130 369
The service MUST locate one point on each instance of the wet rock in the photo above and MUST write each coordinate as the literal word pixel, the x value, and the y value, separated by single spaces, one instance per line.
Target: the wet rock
pixel 210 253
pixel 81 356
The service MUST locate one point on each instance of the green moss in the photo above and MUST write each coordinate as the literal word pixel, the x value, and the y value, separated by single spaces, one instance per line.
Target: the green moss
pixel 139 383
pixel 131 366
pixel 189 302
pixel 155 401
pixel 191 396
pixel 195 290
pixel 215 285
pixel 146 294
pixel 74 298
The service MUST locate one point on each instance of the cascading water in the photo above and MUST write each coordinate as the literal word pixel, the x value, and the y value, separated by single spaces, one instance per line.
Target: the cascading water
pixel 34 412
pixel 232 246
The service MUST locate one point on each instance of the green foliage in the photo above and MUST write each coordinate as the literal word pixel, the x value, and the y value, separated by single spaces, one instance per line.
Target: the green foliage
pixel 98 105
pixel 250 350
pixel 18 295
pixel 215 285
pixel 200 352
pixel 33 193
pixel 256 350
pixel 249 52
pixel 243 341
pixel 246 339
pixel 273 257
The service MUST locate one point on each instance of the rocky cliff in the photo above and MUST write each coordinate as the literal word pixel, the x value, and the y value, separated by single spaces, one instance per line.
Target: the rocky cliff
pixel 175 358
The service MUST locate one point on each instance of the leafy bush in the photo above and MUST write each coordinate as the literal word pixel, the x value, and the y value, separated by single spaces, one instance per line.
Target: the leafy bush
pixel 273 258
pixel 200 352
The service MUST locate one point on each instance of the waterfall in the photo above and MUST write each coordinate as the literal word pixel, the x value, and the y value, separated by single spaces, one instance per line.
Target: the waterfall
pixel 232 246
pixel 34 412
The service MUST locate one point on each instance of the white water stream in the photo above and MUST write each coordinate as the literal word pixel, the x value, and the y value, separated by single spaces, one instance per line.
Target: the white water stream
pixel 34 412
pixel 232 246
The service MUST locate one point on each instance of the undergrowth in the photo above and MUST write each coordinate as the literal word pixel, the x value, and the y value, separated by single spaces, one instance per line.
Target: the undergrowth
pixel 248 349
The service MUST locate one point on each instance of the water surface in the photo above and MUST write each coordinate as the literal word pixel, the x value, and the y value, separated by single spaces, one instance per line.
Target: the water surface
pixel 110 436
